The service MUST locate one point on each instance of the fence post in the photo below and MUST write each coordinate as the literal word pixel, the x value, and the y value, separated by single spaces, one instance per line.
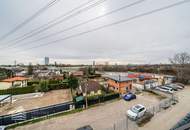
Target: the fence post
pixel 114 126
pixel 126 122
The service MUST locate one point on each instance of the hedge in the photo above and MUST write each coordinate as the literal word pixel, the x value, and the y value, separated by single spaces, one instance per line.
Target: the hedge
pixel 102 98
pixel 57 86
pixel 16 91
pixel 30 83
pixel 92 100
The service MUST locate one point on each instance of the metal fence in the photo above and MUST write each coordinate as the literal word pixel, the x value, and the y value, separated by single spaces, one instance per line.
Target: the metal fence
pixel 164 104
pixel 124 124
pixel 127 124
pixel 46 111
pixel 31 114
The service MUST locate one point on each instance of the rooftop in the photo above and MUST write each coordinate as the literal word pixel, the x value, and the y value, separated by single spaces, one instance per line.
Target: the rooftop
pixel 119 78
pixel 14 79
pixel 3 97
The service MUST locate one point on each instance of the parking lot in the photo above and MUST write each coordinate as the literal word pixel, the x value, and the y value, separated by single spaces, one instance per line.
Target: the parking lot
pixel 100 118
pixel 168 118
pixel 103 117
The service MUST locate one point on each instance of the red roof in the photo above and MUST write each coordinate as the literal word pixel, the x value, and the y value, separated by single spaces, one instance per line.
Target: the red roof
pixel 15 79
pixel 133 76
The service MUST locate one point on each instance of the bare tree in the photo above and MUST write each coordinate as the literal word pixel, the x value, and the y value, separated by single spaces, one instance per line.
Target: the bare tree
pixel 181 62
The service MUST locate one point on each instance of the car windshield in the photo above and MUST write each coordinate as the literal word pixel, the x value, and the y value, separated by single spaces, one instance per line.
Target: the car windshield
pixel 135 109
pixel 128 95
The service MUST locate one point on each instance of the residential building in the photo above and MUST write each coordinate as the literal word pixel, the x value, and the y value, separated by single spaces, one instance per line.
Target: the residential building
pixel 77 73
pixel 13 82
pixel 121 84
pixel 91 88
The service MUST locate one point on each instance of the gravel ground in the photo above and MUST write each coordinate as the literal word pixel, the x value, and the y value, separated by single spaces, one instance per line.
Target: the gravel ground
pixel 168 118
pixel 103 117
pixel 49 98
pixel 100 118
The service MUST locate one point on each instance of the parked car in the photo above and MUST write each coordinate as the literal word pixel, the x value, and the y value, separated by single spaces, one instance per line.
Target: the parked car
pixel 165 89
pixel 180 84
pixel 129 96
pixel 169 90
pixel 136 111
pixel 172 86
pixel 87 127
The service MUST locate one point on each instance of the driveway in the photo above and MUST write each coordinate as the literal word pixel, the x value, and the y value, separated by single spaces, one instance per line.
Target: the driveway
pixel 100 118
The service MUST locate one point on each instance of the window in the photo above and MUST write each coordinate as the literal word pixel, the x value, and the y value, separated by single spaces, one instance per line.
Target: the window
pixel 141 109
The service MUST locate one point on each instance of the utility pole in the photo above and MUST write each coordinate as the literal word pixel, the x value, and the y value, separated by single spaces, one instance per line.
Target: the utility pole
pixel 86 100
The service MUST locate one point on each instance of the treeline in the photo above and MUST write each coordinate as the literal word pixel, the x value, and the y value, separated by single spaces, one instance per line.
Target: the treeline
pixel 158 69
pixel 5 73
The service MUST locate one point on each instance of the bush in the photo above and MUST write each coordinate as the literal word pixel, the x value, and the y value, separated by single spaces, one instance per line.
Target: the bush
pixel 54 81
pixel 43 86
pixel 102 98
pixel 57 86
pixel 30 83
pixel 16 91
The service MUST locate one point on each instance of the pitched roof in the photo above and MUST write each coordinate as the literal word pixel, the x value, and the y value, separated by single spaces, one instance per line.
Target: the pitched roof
pixel 15 79
pixel 91 86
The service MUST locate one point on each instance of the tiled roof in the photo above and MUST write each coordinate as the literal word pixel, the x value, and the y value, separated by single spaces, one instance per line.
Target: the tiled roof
pixel 91 86
pixel 15 79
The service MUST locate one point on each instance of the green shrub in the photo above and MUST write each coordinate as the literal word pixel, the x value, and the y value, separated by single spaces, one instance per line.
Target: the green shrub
pixel 43 86
pixel 16 91
pixel 57 86
pixel 95 99
pixel 30 83
pixel 54 81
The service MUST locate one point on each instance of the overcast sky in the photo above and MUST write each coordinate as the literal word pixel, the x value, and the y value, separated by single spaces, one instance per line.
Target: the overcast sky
pixel 149 39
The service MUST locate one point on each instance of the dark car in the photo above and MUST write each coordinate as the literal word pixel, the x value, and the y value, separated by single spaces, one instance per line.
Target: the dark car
pixel 87 127
pixel 129 96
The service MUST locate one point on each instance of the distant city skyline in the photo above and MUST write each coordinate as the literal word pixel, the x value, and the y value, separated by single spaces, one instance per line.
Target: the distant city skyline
pixel 151 39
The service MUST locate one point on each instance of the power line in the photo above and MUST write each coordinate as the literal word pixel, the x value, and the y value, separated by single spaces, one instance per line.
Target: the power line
pixel 58 22
pixel 50 4
pixel 112 24
pixel 83 23
pixel 78 7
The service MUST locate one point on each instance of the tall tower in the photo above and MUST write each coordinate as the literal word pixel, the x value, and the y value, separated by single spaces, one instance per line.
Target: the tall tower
pixel 46 60
pixel 94 63
pixel 15 63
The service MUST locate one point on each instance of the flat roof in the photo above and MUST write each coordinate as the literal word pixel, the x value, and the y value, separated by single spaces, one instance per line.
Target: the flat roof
pixel 3 97
pixel 119 78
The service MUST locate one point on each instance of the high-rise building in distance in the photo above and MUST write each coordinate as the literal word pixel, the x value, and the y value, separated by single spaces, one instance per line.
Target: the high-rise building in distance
pixel 46 60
